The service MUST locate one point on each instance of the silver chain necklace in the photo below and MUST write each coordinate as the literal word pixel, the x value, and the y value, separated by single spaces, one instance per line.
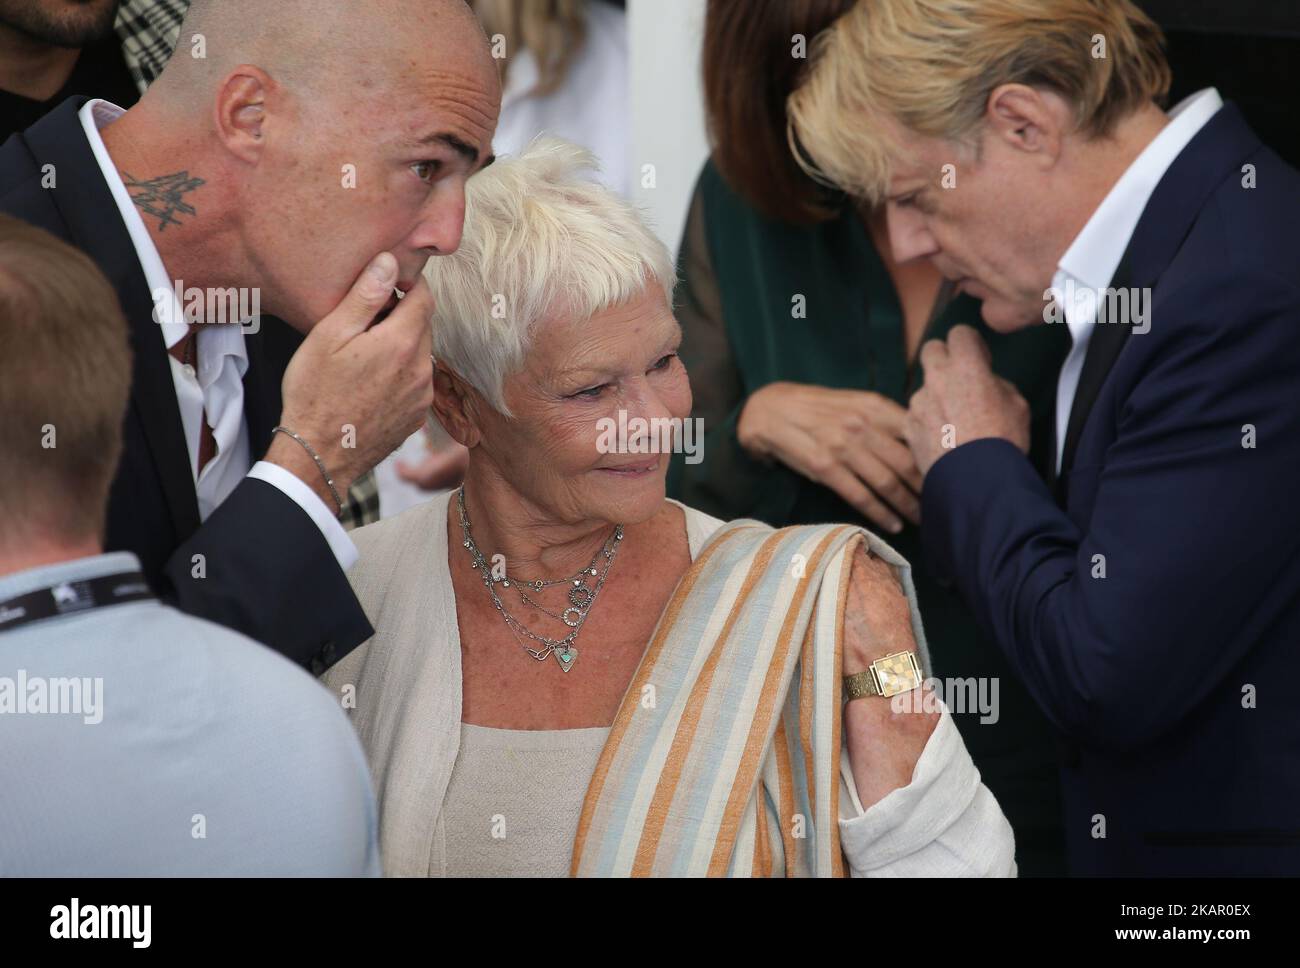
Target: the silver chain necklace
pixel 582 595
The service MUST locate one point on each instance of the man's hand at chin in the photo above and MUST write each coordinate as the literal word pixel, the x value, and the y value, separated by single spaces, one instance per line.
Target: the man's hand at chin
pixel 354 391
pixel 962 400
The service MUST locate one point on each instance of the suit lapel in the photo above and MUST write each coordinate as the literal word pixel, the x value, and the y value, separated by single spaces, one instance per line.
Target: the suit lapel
pixel 1216 152
pixel 95 226
pixel 1104 347
pixel 269 352
pixel 257 408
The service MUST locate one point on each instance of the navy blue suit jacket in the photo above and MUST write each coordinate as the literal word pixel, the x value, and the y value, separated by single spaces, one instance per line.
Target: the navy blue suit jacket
pixel 267 569
pixel 1172 679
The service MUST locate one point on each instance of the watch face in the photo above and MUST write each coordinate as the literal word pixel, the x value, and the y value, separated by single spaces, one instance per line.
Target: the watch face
pixel 897 673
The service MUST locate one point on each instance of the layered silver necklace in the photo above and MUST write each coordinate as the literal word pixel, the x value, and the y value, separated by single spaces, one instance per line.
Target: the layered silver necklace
pixel 583 589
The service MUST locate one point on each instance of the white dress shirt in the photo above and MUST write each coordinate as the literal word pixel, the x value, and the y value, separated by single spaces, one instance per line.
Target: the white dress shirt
pixel 1093 257
pixel 216 386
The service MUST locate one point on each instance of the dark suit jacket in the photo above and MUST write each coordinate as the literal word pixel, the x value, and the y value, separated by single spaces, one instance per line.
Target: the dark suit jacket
pixel 267 570
pixel 1173 677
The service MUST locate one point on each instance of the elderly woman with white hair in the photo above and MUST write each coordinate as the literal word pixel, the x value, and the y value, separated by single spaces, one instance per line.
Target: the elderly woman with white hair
pixel 572 674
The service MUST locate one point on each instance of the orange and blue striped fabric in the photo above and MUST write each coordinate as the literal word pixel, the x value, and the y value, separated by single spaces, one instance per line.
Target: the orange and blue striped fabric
pixel 724 758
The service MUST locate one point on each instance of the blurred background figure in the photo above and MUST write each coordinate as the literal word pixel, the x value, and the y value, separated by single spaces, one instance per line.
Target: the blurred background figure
pixel 564 67
pixel 801 334
pixel 163 745
pixel 53 49
pixel 564 72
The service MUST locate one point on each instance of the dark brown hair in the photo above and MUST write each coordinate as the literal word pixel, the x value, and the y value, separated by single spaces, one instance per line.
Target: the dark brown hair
pixel 65 376
pixel 750 68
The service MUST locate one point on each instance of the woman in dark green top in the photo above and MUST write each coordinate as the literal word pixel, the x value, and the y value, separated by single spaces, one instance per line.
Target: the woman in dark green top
pixel 784 290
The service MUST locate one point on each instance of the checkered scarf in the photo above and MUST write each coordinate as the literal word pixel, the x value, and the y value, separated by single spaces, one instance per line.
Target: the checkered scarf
pixel 149 30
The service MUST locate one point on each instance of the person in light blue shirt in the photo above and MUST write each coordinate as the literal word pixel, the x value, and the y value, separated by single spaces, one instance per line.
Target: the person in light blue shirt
pixel 134 740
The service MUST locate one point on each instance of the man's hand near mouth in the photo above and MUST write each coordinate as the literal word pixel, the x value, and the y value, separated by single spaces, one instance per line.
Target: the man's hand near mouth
pixel 355 390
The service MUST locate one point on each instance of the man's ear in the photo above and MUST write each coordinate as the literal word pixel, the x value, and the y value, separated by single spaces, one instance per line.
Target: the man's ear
pixel 240 111
pixel 1029 120
pixel 455 406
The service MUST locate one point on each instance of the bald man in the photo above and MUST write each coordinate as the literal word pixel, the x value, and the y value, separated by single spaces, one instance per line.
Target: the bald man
pixel 264 213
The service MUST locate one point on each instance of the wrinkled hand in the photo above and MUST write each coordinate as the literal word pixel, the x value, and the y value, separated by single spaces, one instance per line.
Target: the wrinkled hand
pixel 884 744
pixel 877 617
pixel 354 390
pixel 962 400
pixel 848 440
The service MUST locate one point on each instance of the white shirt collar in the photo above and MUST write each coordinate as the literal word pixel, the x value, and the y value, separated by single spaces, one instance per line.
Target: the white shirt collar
pixel 218 341
pixel 1093 257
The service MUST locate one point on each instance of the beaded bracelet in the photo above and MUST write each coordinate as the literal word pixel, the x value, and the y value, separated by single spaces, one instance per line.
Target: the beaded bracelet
pixel 329 481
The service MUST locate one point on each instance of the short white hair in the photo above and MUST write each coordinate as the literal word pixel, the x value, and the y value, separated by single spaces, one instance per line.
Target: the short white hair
pixel 540 240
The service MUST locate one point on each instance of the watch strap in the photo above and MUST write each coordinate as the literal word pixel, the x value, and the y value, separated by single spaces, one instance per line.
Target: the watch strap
pixel 887 676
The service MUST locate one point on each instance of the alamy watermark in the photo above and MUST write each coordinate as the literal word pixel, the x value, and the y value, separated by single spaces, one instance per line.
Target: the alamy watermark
pixel 1125 307
pixel 192 305
pixel 969 695
pixel 60 696
pixel 77 921
pixel 656 435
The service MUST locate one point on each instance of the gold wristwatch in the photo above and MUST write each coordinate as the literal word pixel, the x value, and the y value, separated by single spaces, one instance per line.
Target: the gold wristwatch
pixel 887 676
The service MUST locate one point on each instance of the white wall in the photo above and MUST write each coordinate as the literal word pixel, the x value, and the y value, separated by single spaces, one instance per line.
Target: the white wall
pixel 664 39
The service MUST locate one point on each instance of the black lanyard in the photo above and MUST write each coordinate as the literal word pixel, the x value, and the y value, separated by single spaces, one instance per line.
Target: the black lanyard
pixel 68 597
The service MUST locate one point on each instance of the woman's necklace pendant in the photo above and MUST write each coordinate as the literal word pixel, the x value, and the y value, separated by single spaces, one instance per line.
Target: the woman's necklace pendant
pixel 581 595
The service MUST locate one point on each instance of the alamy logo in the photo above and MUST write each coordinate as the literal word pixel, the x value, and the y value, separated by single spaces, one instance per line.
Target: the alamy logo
pixel 62 695
pixel 969 695
pixel 208 306
pixel 658 435
pixel 1127 307
pixel 107 921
